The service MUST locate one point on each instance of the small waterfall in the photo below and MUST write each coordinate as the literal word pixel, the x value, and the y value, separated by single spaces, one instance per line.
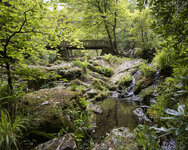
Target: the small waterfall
pixel 130 90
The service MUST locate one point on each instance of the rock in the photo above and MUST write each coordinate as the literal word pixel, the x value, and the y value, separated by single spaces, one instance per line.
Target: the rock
pixel 71 73
pixel 43 111
pixel 91 93
pixel 141 115
pixel 95 108
pixel 126 68
pixel 119 138
pixel 62 143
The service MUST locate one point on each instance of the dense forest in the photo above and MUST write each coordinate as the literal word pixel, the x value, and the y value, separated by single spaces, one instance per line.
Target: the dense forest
pixel 93 74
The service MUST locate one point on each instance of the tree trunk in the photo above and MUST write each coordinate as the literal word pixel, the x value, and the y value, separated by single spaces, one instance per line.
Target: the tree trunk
pixel 115 46
pixel 112 50
pixel 9 76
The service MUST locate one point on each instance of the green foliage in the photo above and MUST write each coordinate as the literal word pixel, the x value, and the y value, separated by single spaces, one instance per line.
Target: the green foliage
pixel 82 65
pixel 143 36
pixel 171 18
pixel 147 70
pixel 146 92
pixel 49 84
pixel 10 131
pixel 163 60
pixel 146 138
pixel 176 123
pixel 101 85
pixel 101 96
pixel 79 125
pixel 112 59
pixel 124 82
pixel 78 88
pixel 106 71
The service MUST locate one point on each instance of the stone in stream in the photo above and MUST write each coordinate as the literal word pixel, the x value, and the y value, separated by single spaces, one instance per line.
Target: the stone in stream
pixel 62 143
pixel 141 115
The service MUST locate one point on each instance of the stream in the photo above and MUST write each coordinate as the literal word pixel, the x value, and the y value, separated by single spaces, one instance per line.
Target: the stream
pixel 116 113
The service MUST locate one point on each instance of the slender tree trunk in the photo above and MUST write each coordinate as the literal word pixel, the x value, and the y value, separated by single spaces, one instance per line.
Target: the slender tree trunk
pixel 114 34
pixel 142 36
pixel 9 76
pixel 110 40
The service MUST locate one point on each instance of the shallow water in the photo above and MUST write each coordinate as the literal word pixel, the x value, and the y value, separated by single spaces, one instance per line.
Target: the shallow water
pixel 116 113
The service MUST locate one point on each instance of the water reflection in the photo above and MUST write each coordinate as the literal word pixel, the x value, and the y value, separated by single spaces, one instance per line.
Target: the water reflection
pixel 116 113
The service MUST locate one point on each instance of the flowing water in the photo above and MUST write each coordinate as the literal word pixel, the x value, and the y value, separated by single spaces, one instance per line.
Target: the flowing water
pixel 116 113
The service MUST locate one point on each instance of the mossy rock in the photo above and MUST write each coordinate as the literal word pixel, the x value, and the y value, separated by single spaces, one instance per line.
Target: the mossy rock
pixel 101 96
pixel 142 83
pixel 45 107
pixel 124 82
pixel 72 73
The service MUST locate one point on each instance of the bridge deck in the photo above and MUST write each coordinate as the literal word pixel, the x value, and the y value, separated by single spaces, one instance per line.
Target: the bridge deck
pixel 87 44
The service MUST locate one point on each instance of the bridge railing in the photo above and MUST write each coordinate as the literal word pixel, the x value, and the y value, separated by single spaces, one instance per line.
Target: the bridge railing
pixel 87 44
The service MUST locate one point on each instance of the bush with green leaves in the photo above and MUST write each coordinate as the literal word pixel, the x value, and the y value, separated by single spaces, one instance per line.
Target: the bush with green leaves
pixel 176 124
pixel 77 122
pixel 101 85
pixel 10 131
pixel 147 70
pixel 163 60
pixel 146 138
pixel 112 59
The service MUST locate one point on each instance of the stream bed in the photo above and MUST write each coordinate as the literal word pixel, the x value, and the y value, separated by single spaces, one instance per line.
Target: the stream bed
pixel 116 113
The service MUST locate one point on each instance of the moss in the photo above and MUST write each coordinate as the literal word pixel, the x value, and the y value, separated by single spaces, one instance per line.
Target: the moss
pixel 124 82
pixel 54 111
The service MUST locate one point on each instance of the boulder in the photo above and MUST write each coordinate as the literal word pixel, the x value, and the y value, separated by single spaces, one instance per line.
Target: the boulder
pixel 119 138
pixel 72 73
pixel 62 143
pixel 125 69
pixel 42 107
pixel 139 113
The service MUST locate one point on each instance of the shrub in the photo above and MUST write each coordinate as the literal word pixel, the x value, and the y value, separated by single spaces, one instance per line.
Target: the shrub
pixel 10 131
pixel 163 60
pixel 147 70
pixel 146 138
pixel 82 65
pixel 112 59
pixel 176 123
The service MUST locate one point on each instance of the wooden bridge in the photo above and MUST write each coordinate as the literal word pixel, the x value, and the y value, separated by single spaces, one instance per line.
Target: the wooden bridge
pixel 86 44
pixel 65 48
